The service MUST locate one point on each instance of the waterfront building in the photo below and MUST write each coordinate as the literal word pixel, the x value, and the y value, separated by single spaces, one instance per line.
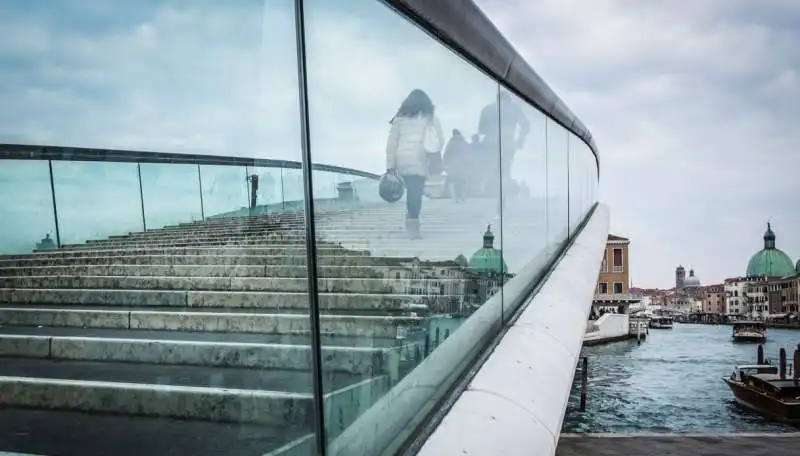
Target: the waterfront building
pixel 714 300
pixel 735 296
pixel 613 292
pixel 614 279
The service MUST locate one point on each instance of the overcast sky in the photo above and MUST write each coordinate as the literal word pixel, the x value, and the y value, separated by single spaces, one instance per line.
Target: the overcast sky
pixel 695 108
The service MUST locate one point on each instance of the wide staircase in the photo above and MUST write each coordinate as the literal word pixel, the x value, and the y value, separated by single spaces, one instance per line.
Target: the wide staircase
pixel 197 336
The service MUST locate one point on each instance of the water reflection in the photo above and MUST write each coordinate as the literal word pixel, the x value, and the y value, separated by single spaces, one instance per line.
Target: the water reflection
pixel 671 383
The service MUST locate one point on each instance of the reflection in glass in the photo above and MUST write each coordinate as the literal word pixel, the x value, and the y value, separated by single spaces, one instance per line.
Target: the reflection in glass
pixel 525 186
pixel 418 270
pixel 199 332
pixel 292 189
pixel 171 194
pixel 96 200
pixel 26 206
pixel 224 190
pixel 557 185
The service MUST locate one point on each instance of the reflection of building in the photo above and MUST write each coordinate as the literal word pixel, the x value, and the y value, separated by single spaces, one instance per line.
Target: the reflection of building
pixel 453 286
pixel 487 270
pixel 46 243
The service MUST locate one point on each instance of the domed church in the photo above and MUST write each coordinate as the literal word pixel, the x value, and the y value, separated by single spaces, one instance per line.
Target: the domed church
pixel 771 261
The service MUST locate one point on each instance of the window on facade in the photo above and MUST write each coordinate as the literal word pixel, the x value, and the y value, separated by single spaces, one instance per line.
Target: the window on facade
pixel 602 288
pixel 617 258
pixel 604 264
pixel 617 288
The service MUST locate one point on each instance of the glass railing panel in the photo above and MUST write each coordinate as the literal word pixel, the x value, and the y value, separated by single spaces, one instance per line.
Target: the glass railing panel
pixel 420 275
pixel 594 183
pixel 557 185
pixel 171 76
pixel 265 192
pixel 96 200
pixel 524 155
pixel 196 336
pixel 224 191
pixel 293 190
pixel 578 181
pixel 26 207
pixel 171 194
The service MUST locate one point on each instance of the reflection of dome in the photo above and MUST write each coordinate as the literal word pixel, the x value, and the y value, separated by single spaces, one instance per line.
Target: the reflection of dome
pixel 770 261
pixel 692 280
pixel 488 259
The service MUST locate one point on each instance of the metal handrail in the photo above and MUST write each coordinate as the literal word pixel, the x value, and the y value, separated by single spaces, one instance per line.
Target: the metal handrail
pixel 65 153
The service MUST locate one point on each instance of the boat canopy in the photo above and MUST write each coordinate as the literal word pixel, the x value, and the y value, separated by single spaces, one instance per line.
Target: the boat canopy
pixel 756 324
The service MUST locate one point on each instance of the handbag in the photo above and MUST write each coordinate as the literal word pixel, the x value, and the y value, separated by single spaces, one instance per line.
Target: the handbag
pixel 431 141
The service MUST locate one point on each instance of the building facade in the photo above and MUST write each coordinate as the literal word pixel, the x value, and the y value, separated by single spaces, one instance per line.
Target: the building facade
pixel 714 300
pixel 614 275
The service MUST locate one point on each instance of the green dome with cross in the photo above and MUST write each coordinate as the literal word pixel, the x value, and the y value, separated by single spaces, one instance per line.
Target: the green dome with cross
pixel 488 259
pixel 770 261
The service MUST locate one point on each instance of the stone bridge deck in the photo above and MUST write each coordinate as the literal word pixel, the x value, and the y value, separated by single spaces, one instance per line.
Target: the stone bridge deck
pixel 679 445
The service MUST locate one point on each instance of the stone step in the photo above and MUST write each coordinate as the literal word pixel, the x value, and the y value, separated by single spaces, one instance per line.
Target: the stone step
pixel 54 392
pixel 274 247
pixel 192 349
pixel 169 391
pixel 200 250
pixel 272 327
pixel 61 432
pixel 281 284
pixel 203 260
pixel 289 338
pixel 215 299
pixel 206 238
pixel 352 272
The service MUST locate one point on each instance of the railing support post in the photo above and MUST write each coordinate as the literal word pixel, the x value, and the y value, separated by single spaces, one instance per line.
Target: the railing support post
pixel 584 381
pixel 55 206
pixel 141 196
pixel 200 187
pixel 310 229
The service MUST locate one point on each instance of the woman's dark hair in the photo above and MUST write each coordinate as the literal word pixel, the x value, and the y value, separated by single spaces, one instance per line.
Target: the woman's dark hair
pixel 417 102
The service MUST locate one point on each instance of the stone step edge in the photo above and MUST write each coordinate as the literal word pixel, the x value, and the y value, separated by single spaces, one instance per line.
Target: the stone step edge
pixel 190 321
pixel 168 401
pixel 301 317
pixel 247 355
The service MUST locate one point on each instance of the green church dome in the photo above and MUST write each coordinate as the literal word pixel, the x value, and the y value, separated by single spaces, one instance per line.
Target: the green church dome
pixel 797 267
pixel 770 261
pixel 488 259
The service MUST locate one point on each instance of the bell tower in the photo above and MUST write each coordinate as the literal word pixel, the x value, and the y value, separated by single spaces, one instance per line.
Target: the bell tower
pixel 680 277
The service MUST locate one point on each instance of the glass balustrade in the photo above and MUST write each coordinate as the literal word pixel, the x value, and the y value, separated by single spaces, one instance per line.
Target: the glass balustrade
pixel 185 278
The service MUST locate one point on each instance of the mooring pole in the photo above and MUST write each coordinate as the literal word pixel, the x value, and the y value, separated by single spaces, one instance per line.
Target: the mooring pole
pixel 760 355
pixel 585 381
pixel 796 367
pixel 782 364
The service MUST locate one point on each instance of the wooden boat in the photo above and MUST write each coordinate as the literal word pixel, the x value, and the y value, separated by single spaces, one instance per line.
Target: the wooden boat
pixel 749 331
pixel 660 322
pixel 759 387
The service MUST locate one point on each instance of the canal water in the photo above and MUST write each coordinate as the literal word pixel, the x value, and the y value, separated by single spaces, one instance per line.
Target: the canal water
pixel 672 382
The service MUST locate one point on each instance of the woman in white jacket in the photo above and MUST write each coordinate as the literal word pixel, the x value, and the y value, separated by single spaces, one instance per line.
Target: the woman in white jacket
pixel 406 153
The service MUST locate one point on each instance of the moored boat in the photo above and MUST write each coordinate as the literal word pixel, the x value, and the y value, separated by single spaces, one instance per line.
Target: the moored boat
pixel 660 322
pixel 761 388
pixel 749 331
